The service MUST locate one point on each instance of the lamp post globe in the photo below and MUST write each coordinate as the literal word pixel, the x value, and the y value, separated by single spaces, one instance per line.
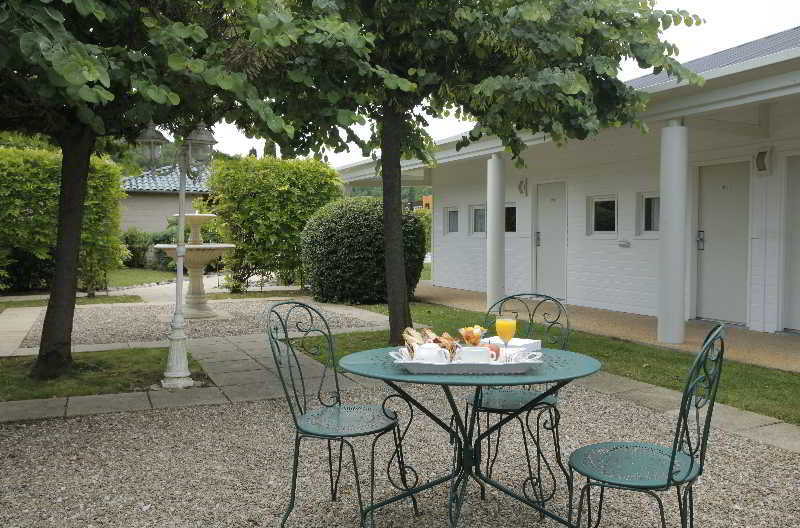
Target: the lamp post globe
pixel 150 140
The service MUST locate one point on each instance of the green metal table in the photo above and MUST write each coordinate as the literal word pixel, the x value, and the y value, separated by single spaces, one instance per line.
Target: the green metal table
pixel 559 367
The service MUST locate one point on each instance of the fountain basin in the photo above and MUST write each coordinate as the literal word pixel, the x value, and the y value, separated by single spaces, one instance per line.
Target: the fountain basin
pixel 197 256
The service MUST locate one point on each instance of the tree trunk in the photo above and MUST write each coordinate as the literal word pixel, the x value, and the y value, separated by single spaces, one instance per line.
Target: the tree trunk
pixel 396 286
pixel 55 354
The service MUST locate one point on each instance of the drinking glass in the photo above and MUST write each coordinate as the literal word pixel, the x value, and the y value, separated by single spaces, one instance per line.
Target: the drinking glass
pixel 506 326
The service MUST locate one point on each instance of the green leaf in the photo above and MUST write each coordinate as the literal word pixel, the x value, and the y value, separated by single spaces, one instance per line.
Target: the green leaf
pixel 176 61
pixel 88 94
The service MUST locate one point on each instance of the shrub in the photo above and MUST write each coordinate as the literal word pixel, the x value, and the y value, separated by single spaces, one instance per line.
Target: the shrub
pixel 263 205
pixel 426 218
pixel 343 255
pixel 28 219
pixel 137 242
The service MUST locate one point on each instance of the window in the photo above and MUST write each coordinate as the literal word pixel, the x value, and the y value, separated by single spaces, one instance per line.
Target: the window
pixel 602 215
pixel 450 220
pixel 479 219
pixel 511 219
pixel 648 213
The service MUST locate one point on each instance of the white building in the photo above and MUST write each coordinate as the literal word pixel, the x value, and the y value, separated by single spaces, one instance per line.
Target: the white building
pixel 698 218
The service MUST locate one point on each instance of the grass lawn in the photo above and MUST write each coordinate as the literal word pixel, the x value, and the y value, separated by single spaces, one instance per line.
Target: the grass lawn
pixel 259 294
pixel 100 299
pixel 753 388
pixel 133 276
pixel 92 373
pixel 426 271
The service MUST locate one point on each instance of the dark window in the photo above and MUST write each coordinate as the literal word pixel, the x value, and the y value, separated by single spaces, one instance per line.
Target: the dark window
pixel 511 219
pixel 479 220
pixel 452 221
pixel 652 206
pixel 605 216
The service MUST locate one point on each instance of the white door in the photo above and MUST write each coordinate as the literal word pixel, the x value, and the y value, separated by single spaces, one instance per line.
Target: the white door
pixel 792 290
pixel 551 237
pixel 723 226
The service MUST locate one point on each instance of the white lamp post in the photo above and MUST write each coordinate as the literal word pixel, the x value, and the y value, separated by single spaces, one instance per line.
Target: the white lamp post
pixel 196 147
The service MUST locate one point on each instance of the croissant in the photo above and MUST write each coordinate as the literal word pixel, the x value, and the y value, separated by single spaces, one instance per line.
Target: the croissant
pixel 413 339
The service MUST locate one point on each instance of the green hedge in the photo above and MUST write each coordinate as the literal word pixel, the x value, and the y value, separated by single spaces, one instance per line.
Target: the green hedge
pixel 29 189
pixel 263 205
pixel 343 252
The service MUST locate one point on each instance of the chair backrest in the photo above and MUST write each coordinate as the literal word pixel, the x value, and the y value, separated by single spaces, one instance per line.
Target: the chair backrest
pixel 544 318
pixel 295 329
pixel 697 404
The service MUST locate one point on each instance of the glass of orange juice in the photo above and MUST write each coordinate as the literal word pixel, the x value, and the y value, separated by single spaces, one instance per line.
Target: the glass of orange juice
pixel 506 326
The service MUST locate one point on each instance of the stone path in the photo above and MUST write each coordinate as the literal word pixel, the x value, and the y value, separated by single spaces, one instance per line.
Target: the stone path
pixel 241 368
pixel 772 350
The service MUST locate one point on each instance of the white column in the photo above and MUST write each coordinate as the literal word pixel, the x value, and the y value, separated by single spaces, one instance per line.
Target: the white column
pixel 347 189
pixel 495 230
pixel 674 186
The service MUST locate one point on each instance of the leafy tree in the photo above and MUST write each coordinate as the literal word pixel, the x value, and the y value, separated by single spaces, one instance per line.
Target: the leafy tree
pixel 80 70
pixel 545 66
pixel 264 205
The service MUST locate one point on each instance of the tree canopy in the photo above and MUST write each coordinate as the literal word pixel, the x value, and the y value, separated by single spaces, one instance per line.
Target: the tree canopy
pixel 79 70
pixel 512 66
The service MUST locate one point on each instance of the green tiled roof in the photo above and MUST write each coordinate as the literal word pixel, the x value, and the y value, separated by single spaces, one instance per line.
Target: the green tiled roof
pixel 165 180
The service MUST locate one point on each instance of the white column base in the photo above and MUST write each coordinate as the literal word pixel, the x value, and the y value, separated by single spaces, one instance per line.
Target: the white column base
pixel 177 375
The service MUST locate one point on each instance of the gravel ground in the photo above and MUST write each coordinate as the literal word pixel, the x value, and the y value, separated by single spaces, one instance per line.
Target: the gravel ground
pixel 150 322
pixel 228 466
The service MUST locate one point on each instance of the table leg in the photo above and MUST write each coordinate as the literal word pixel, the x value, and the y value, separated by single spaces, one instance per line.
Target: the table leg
pixel 539 506
pixel 449 477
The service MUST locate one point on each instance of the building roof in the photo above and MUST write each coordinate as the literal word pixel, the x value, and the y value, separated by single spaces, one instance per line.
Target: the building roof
pixel 748 51
pixel 165 180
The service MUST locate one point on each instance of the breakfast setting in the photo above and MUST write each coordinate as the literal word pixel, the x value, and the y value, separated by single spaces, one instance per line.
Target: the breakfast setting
pixel 425 352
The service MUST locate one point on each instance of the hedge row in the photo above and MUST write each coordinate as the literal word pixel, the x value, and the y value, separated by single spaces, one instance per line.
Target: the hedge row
pixel 29 192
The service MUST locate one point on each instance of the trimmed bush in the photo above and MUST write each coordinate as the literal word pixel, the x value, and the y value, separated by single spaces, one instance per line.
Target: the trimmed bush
pixel 343 253
pixel 263 205
pixel 29 220
pixel 137 242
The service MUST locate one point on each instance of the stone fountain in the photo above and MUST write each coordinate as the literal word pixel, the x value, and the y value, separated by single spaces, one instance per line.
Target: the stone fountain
pixel 197 256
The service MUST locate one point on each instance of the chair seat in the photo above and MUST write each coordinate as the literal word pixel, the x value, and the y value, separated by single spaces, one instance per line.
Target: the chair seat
pixel 346 420
pixel 632 465
pixel 501 400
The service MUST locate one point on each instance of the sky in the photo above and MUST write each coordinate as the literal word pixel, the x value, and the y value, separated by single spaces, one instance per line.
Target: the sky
pixel 728 24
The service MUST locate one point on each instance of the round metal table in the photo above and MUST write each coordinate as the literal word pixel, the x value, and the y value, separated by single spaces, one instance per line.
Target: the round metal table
pixel 559 367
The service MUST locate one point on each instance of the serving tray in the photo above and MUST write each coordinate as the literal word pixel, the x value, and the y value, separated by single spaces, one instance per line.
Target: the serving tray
pixel 457 367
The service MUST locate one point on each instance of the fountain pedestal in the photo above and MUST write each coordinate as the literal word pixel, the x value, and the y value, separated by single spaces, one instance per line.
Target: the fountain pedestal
pixel 197 256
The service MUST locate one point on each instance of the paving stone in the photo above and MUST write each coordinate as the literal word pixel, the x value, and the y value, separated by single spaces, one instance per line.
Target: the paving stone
pixel 608 383
pixel 216 354
pixel 32 409
pixel 224 379
pixel 783 435
pixel 657 398
pixel 148 344
pixel 187 397
pixel 100 347
pixel 105 403
pixel 238 365
pixel 732 419
pixel 254 391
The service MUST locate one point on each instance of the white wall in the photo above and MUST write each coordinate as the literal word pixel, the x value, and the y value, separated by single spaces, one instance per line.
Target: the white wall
pixel 149 211
pixel 600 273
pixel 460 258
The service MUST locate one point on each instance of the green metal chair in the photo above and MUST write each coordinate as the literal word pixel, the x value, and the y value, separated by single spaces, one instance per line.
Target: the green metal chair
pixel 294 326
pixel 651 468
pixel 539 317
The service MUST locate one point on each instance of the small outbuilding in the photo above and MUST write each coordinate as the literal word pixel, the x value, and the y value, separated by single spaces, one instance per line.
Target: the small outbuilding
pixel 153 197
